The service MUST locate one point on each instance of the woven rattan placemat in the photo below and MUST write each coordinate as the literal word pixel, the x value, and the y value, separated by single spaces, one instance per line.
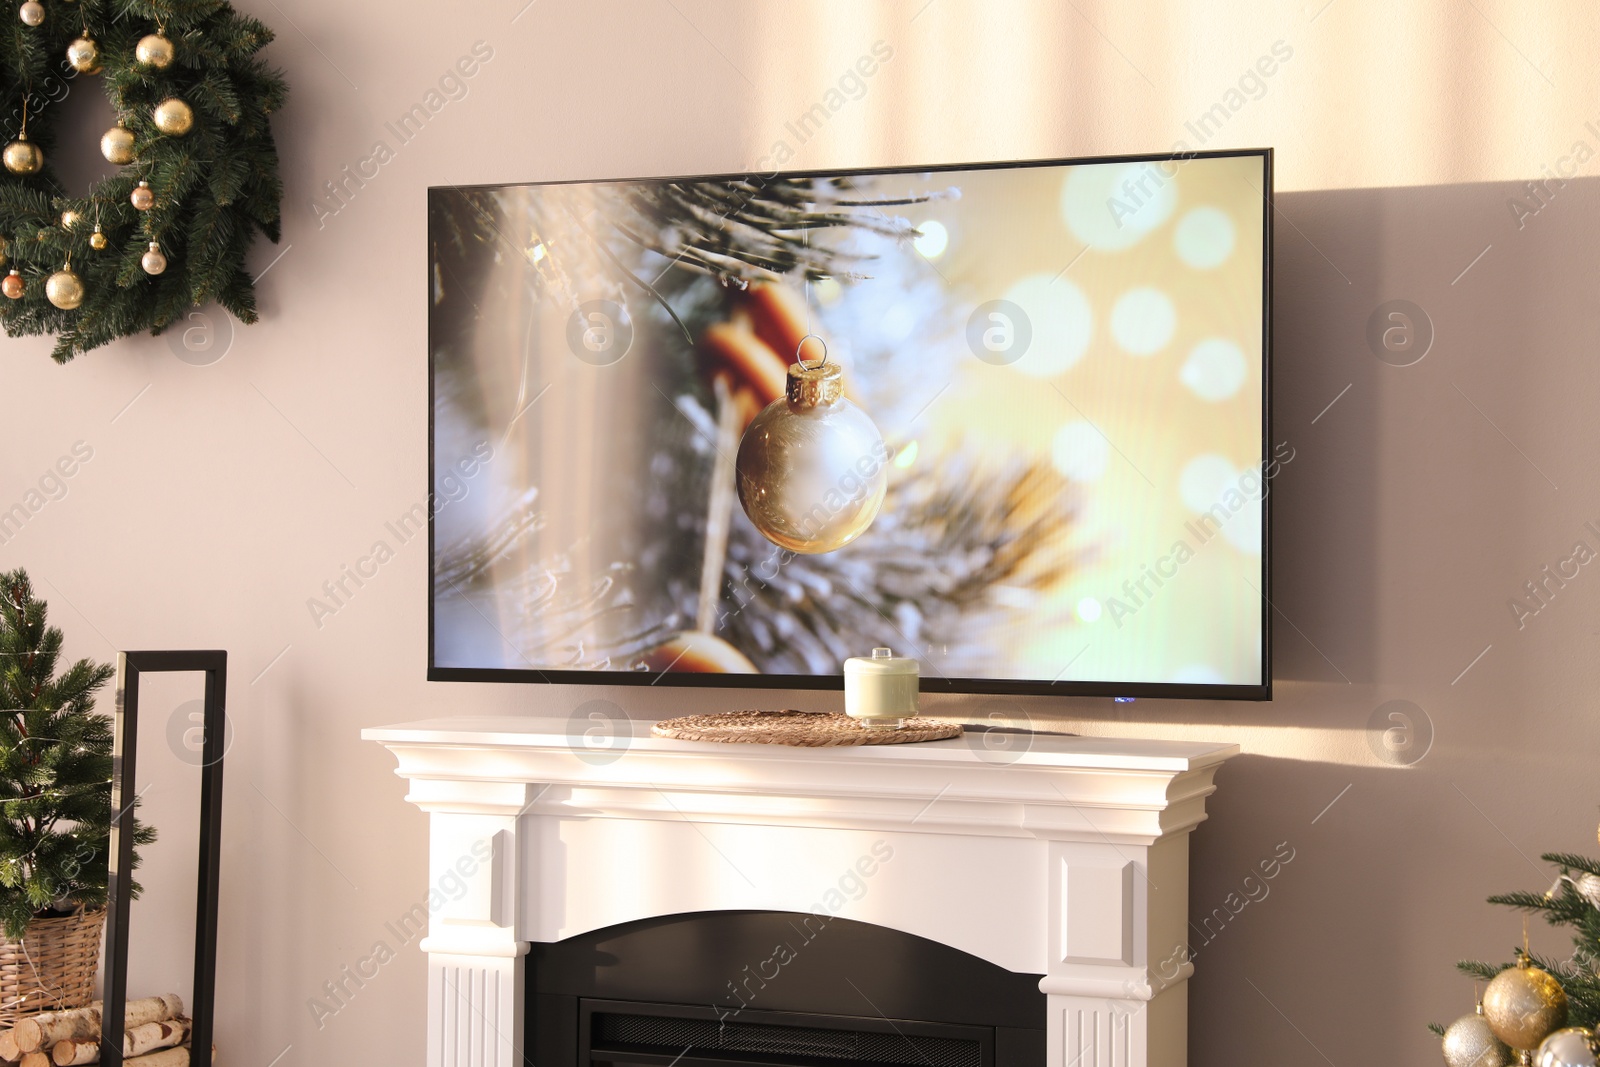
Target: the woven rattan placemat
pixel 803 729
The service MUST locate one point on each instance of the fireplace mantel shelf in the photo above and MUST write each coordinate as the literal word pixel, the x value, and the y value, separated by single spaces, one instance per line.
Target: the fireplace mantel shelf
pixel 1046 854
pixel 1056 751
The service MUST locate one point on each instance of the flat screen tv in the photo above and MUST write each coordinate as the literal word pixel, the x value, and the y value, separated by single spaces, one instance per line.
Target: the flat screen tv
pixel 1028 444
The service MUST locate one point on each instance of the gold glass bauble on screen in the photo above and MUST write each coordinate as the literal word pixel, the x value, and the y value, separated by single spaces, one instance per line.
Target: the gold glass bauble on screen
pixel 1009 420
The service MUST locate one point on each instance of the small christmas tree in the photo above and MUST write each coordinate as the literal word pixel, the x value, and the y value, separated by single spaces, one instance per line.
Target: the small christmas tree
pixel 55 769
pixel 1573 901
pixel 1526 1003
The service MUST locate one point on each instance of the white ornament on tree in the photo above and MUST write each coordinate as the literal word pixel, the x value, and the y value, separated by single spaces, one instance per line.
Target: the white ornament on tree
pixel 1572 1047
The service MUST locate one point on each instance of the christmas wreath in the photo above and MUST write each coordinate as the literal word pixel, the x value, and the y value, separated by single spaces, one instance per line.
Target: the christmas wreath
pixel 197 177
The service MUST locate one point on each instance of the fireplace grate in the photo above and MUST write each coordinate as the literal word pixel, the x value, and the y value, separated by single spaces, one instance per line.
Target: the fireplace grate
pixel 683 1035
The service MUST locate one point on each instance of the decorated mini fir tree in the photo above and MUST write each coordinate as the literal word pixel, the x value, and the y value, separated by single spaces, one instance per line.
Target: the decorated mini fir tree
pixel 1539 1003
pixel 55 769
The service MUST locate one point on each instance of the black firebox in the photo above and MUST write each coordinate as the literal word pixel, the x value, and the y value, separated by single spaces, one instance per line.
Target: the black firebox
pixel 775 989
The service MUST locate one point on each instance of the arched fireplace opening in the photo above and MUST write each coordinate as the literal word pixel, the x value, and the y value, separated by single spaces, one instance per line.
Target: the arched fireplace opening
pixel 789 989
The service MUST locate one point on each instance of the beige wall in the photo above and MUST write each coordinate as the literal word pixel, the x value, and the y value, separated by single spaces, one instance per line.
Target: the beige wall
pixel 1416 506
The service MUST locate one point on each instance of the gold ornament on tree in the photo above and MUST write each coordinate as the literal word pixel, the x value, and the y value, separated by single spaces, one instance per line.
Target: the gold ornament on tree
pixel 1524 1004
pixel 174 117
pixel 812 467
pixel 117 145
pixel 154 50
pixel 64 289
pixel 83 55
pixel 69 219
pixel 13 286
pixel 1470 1042
pixel 31 13
pixel 97 240
pixel 153 261
pixel 4 244
pixel 141 197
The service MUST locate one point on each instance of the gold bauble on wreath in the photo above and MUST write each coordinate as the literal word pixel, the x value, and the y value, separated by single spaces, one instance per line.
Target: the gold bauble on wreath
pixel 141 197
pixel 64 289
pixel 1524 1005
pixel 31 13
pixel 174 117
pixel 117 145
pixel 155 51
pixel 23 157
pixel 97 240
pixel 83 55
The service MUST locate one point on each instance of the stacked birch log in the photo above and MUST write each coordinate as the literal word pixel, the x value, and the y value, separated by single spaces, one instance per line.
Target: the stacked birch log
pixel 155 1034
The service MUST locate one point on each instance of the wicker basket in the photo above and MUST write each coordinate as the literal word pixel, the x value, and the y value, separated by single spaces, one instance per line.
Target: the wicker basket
pixel 52 967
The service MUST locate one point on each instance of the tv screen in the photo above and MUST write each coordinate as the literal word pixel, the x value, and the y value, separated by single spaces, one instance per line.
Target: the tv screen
pixel 1008 419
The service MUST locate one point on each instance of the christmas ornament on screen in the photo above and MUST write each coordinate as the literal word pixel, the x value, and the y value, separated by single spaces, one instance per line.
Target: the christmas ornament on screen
pixel 1572 1047
pixel 1524 1005
pixel 1469 1042
pixel 812 468
pixel 141 197
pixel 153 261
pixel 31 13
pixel 13 286
pixel 97 239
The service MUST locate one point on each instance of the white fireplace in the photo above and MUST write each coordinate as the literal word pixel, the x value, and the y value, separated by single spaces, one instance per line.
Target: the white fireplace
pixel 1061 856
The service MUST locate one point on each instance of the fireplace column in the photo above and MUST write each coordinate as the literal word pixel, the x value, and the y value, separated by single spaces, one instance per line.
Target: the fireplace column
pixel 476 952
pixel 1117 971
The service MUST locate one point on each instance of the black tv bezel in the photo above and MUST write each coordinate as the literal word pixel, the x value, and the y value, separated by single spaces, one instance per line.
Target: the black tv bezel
pixel 936 683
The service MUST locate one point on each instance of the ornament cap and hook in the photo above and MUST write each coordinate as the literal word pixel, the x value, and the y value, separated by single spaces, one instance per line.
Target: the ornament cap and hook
pixel 812 467
pixel 813 386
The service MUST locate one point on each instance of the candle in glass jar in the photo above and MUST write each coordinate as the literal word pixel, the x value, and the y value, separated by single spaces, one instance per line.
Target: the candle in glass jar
pixel 880 690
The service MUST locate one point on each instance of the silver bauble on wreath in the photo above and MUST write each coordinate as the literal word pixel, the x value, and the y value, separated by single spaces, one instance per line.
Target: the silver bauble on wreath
pixel 812 467
pixel 1524 1005
pixel 153 261
pixel 1572 1047
pixel 1469 1042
